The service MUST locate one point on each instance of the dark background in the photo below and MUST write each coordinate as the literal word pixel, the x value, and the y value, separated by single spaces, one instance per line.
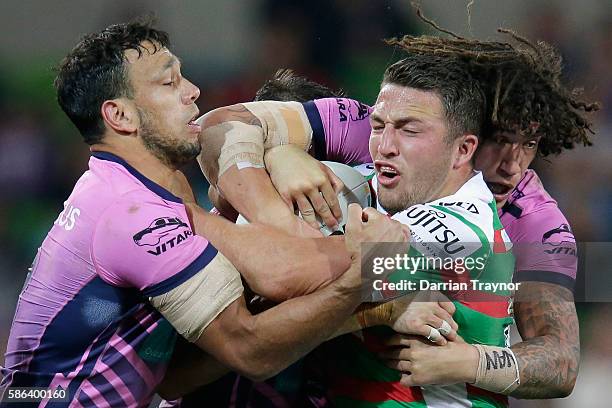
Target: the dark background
pixel 230 47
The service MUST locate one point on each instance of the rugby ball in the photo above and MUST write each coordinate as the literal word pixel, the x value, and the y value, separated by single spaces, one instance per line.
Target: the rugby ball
pixel 356 190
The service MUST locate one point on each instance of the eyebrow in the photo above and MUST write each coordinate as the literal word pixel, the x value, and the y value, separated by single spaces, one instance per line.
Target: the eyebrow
pixel 401 121
pixel 169 64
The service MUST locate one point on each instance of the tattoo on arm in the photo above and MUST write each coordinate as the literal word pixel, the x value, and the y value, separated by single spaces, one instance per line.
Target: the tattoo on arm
pixel 549 355
pixel 242 114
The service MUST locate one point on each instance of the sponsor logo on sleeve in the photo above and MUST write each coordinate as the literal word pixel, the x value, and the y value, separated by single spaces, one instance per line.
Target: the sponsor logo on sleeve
pixel 561 239
pixel 163 233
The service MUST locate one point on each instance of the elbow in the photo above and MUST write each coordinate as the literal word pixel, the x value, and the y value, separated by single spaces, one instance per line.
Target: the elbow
pixel 565 388
pixel 254 364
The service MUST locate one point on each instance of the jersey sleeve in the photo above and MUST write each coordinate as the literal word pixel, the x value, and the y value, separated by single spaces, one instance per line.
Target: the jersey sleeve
pixel 148 245
pixel 545 249
pixel 341 129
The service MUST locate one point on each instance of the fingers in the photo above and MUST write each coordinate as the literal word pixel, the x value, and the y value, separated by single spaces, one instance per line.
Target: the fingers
pixel 371 214
pixel 335 181
pixel 399 365
pixel 354 216
pixel 321 207
pixel 306 210
pixel 447 318
pixel 399 340
pixel 448 306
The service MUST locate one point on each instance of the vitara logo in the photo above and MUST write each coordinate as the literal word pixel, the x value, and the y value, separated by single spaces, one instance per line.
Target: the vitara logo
pixel 470 207
pixel 157 234
pixel 431 219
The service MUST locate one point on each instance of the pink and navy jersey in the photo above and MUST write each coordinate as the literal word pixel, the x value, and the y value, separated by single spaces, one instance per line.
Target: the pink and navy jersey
pixel 340 130
pixel 545 246
pixel 83 321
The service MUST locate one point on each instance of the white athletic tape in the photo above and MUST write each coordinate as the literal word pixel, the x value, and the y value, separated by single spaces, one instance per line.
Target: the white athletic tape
pixel 434 335
pixel 243 144
pixel 282 123
pixel 191 306
pixel 245 165
pixel 498 369
pixel 445 329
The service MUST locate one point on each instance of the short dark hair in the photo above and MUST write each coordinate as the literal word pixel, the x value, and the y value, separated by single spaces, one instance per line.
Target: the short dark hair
pixel 461 96
pixel 95 71
pixel 285 85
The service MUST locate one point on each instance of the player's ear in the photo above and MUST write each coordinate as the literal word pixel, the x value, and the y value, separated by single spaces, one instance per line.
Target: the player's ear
pixel 465 148
pixel 120 115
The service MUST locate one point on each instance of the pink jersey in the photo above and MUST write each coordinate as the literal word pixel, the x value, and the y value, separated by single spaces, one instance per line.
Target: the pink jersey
pixel 83 321
pixel 545 247
pixel 340 130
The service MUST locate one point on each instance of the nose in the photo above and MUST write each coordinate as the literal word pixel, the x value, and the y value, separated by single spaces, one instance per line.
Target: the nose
pixel 191 93
pixel 388 145
pixel 511 160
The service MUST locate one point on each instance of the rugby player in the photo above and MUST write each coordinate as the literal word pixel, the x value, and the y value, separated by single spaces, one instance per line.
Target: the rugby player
pixel 436 177
pixel 126 265
pixel 530 111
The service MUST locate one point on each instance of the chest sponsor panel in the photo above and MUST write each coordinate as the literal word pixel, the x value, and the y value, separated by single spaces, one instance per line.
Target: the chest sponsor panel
pixel 439 234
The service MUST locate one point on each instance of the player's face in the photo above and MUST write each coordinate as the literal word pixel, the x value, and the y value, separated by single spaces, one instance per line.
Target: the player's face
pixel 503 161
pixel 409 146
pixel 165 102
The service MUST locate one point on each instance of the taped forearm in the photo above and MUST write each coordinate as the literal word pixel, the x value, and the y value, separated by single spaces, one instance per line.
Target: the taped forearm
pixel 282 123
pixel 498 369
pixel 239 135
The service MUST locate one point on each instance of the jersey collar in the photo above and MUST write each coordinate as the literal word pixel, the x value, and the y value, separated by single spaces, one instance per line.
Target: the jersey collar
pixel 148 183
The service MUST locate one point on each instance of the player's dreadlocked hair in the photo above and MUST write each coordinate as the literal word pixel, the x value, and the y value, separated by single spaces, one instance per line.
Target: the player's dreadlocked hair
pixel 522 85
pixel 286 86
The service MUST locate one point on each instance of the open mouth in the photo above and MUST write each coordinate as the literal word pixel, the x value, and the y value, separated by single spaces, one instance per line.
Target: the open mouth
pixel 499 190
pixel 387 175
pixel 192 125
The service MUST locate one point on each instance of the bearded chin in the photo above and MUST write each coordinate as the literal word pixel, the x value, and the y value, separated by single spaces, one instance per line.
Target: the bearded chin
pixel 175 154
pixel 397 202
pixel 172 152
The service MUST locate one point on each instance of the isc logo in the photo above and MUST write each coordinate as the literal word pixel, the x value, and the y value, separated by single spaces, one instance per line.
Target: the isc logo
pixel 68 216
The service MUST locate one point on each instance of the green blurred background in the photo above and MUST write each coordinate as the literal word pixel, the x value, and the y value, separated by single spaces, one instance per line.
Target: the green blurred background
pixel 229 48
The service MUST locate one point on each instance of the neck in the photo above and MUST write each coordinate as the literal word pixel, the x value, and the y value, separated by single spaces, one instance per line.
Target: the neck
pixel 456 179
pixel 137 156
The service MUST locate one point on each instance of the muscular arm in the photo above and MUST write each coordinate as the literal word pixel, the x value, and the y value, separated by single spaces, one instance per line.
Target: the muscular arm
pixel 274 264
pixel 239 187
pixel 549 354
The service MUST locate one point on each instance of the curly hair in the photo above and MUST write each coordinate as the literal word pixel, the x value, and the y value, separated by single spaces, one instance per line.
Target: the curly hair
pixel 95 71
pixel 522 84
pixel 285 85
